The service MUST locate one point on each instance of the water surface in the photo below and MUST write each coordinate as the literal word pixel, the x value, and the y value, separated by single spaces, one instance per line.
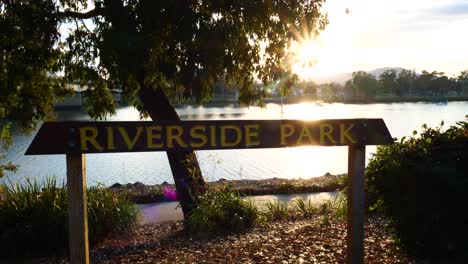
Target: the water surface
pixel 171 211
pixel 300 162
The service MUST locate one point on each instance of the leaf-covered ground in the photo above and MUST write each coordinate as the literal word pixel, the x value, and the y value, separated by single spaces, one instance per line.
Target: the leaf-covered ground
pixel 318 240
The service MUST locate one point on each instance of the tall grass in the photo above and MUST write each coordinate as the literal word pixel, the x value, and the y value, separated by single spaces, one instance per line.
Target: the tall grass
pixel 33 216
pixel 109 214
pixel 277 210
pixel 222 210
pixel 305 207
pixel 339 205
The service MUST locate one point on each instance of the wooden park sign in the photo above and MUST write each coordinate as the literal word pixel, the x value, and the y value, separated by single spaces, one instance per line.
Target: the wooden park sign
pixel 77 138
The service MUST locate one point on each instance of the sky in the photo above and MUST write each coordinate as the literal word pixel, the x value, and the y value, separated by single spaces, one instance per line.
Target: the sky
pixel 413 34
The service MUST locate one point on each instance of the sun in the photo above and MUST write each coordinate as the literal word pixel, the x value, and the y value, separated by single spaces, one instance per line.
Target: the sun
pixel 306 53
pixel 314 56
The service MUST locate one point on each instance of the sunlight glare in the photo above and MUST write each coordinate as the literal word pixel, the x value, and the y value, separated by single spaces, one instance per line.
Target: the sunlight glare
pixel 329 53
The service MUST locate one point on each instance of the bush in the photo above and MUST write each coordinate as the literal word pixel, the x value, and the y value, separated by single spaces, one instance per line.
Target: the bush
pixel 277 210
pixel 109 213
pixel 305 207
pixel 221 210
pixel 33 217
pixel 421 183
pixel 339 205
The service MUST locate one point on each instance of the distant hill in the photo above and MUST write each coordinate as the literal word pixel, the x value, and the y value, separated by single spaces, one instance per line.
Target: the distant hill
pixel 343 77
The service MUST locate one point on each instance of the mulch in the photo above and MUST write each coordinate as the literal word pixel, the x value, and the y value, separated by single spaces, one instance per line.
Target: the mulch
pixel 321 239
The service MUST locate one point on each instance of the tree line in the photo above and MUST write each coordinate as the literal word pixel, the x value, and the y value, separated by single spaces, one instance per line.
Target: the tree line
pixel 365 86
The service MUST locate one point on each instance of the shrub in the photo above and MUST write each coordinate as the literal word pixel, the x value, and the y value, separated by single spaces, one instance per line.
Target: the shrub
pixel 421 183
pixel 339 205
pixel 33 217
pixel 277 210
pixel 109 213
pixel 305 207
pixel 222 210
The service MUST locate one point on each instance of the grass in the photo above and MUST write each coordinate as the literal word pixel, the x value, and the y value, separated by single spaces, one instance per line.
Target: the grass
pixel 277 210
pixel 33 217
pixel 305 207
pixel 222 210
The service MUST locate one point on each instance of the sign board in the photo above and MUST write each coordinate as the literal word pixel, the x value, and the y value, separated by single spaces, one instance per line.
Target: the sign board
pixel 104 137
pixel 77 138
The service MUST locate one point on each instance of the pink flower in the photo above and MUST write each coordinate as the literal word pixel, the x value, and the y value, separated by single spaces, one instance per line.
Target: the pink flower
pixel 170 193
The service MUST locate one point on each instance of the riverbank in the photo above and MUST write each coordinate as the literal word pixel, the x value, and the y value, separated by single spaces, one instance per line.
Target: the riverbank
pixel 294 99
pixel 140 193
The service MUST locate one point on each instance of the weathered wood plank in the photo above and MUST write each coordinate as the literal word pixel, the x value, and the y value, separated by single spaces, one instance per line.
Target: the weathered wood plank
pixel 77 209
pixel 356 204
pixel 104 137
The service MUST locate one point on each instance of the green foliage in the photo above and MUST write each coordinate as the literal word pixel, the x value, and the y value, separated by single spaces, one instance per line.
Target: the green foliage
pixel 405 82
pixel 29 57
pixel 109 214
pixel 363 86
pixel 5 142
pixel 154 51
pixel 325 208
pixel 387 80
pixel 180 48
pixel 220 211
pixel 305 207
pixel 339 205
pixel 33 217
pixel 277 210
pixel 420 183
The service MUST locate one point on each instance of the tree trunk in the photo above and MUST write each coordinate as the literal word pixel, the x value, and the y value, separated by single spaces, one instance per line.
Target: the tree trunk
pixel 184 164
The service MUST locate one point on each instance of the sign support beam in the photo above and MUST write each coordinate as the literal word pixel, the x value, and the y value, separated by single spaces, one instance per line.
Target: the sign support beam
pixel 356 204
pixel 77 209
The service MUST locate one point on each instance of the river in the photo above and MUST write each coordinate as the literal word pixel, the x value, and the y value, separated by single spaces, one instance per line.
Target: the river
pixel 301 162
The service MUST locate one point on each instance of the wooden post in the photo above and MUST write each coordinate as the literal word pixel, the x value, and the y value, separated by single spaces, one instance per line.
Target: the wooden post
pixel 356 209
pixel 77 209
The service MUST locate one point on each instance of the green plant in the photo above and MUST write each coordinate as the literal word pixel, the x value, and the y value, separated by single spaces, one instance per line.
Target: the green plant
pixel 420 183
pixel 156 191
pixel 33 217
pixel 305 207
pixel 221 210
pixel 325 208
pixel 339 205
pixel 277 210
pixel 109 214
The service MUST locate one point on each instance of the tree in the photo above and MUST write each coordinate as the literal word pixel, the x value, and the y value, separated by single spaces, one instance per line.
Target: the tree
pixel 430 82
pixel 363 86
pixel 148 48
pixel 308 87
pixel 387 80
pixel 463 75
pixel 405 82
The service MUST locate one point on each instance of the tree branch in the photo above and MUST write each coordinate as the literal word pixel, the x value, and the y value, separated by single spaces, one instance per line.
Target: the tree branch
pixel 77 15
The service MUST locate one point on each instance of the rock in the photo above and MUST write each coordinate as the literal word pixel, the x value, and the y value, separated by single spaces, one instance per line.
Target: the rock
pixel 116 185
pixel 139 185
